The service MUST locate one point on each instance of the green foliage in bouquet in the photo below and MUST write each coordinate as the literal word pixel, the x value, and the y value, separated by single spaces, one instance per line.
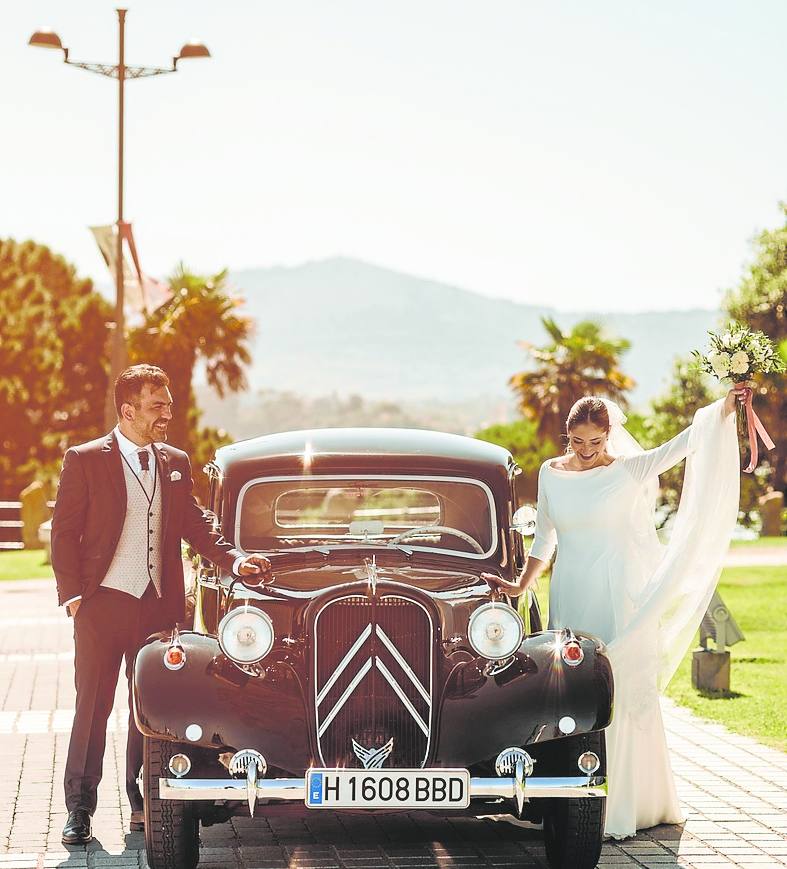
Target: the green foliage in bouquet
pixel 740 353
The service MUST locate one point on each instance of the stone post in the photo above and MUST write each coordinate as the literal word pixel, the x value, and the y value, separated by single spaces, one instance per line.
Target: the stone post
pixel 771 506
pixel 34 512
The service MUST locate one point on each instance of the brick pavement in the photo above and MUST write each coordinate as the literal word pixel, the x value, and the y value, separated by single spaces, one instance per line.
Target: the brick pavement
pixel 734 790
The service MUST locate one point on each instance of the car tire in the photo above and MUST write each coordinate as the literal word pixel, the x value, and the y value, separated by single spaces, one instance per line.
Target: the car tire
pixel 573 832
pixel 171 826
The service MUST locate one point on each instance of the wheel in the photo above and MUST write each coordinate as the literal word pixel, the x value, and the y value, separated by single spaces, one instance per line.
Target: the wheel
pixel 171 827
pixel 573 830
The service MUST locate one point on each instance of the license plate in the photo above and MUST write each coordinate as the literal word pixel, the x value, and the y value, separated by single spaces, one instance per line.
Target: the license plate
pixel 388 788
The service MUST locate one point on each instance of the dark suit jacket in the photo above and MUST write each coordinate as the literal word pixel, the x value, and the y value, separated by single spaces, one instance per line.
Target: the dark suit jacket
pixel 89 514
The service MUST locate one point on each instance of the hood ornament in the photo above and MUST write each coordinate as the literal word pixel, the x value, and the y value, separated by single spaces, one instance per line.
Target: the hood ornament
pixel 371 573
pixel 373 758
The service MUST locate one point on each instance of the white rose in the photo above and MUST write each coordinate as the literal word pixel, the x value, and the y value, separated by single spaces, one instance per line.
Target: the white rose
pixel 726 339
pixel 720 363
pixel 739 364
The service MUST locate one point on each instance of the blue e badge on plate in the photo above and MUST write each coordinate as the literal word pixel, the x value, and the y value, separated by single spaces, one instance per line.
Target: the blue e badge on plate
pixel 315 788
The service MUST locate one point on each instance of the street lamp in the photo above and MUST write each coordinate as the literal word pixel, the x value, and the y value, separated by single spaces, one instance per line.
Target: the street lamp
pixel 49 39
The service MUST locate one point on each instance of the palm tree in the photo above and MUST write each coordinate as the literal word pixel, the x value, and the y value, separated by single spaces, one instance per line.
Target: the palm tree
pixel 199 324
pixel 583 361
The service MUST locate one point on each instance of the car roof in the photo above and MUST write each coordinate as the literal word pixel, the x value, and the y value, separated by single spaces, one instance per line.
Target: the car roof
pixel 322 450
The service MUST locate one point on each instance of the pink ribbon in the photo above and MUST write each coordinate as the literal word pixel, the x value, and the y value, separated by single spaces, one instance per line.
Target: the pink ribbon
pixel 755 428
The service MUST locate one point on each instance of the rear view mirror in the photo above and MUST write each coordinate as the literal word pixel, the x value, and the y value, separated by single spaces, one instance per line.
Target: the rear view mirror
pixel 524 520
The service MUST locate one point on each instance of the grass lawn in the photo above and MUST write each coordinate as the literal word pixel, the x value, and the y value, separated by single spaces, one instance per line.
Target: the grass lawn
pixel 24 564
pixel 757 706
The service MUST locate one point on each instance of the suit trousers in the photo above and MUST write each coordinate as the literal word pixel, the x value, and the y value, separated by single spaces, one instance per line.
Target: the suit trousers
pixel 109 626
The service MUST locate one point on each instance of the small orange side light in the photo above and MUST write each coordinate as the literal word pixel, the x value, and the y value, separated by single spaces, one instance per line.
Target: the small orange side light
pixel 174 658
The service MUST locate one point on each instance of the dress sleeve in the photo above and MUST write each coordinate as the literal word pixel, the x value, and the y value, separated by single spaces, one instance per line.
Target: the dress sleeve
pixel 545 538
pixel 651 463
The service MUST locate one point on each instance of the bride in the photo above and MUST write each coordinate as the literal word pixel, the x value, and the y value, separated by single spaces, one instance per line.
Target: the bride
pixel 612 578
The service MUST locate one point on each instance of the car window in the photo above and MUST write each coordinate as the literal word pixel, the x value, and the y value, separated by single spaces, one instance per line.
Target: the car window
pixel 428 513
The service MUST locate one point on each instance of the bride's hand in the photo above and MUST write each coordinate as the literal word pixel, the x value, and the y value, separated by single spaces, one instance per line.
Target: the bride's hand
pixel 498 584
pixel 737 393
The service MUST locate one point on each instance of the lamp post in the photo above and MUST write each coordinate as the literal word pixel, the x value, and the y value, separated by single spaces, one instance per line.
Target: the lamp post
pixel 120 71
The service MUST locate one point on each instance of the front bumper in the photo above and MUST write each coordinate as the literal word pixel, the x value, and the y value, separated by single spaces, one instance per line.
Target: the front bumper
pixel 294 789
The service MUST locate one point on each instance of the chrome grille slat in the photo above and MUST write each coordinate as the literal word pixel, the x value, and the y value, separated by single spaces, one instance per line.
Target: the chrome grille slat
pixel 389 638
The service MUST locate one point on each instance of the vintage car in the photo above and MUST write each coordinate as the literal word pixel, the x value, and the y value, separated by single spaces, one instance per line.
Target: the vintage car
pixel 377 671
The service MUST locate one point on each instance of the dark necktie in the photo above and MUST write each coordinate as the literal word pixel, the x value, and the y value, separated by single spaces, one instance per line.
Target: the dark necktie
pixel 145 477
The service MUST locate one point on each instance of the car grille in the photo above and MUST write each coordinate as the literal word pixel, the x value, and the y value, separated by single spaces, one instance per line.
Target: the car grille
pixel 373 668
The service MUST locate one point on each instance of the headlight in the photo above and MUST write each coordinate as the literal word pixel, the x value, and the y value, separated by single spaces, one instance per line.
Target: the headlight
pixel 495 631
pixel 246 635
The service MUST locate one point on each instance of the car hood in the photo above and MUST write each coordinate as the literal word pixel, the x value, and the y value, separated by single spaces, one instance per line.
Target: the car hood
pixel 446 581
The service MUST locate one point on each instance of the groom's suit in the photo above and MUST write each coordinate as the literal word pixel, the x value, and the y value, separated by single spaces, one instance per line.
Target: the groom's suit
pixel 117 544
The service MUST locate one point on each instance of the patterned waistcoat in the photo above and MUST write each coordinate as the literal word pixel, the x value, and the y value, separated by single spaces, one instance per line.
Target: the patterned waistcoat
pixel 138 556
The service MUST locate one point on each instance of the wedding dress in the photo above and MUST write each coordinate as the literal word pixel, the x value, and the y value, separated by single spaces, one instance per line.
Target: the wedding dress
pixel 612 578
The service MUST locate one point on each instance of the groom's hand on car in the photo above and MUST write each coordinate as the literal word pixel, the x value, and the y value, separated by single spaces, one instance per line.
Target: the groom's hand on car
pixel 257 566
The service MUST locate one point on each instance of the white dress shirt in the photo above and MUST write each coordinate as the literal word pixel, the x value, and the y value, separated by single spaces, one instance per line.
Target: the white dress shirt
pixel 130 452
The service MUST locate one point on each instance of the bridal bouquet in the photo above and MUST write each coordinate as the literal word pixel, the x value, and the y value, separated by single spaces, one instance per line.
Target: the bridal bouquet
pixel 737 355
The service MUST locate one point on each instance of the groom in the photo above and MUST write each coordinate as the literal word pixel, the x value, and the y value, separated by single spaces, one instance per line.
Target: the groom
pixel 124 504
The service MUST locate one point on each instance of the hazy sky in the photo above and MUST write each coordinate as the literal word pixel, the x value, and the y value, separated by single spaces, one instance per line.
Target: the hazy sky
pixel 618 154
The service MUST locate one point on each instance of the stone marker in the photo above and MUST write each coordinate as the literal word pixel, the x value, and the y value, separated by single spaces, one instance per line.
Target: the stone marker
pixel 771 506
pixel 34 512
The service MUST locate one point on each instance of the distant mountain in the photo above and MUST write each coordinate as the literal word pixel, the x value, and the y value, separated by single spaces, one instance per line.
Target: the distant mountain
pixel 345 326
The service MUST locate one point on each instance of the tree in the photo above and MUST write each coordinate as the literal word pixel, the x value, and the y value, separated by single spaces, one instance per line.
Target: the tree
pixel 760 302
pixel 583 361
pixel 529 450
pixel 200 324
pixel 53 362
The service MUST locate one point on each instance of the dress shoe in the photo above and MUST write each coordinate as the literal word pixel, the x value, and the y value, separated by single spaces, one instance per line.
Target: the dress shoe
pixel 137 824
pixel 77 829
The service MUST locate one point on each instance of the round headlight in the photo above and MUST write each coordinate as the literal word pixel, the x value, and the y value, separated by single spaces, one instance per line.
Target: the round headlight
pixel 495 631
pixel 246 635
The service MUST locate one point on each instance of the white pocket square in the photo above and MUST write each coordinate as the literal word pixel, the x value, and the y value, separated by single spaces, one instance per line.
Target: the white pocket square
pixel 174 476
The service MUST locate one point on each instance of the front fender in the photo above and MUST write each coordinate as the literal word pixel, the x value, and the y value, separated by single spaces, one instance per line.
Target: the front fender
pixel 522 705
pixel 232 709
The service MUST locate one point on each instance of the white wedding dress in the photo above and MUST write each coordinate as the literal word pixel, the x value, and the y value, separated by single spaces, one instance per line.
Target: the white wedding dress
pixel 613 579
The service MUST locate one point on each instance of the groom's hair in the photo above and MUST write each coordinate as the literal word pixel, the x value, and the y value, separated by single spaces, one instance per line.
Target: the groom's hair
pixel 588 410
pixel 128 387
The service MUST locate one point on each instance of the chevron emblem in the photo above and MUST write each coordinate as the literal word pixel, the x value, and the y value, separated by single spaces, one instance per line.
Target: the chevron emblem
pixel 373 758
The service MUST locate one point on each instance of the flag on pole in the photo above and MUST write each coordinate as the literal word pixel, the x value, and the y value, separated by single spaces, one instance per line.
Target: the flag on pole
pixel 142 294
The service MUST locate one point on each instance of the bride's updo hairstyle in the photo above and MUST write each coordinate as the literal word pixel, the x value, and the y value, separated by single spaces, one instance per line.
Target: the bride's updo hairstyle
pixel 588 409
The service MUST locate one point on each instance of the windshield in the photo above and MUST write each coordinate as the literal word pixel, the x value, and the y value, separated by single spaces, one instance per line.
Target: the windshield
pixel 433 513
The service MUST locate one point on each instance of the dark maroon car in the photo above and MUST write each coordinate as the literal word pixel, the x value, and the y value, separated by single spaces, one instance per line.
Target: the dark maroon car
pixel 377 671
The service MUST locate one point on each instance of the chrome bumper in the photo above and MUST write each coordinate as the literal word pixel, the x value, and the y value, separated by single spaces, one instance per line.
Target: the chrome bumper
pixel 294 789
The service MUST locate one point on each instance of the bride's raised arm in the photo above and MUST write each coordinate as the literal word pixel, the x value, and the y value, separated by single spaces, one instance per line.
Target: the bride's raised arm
pixel 651 463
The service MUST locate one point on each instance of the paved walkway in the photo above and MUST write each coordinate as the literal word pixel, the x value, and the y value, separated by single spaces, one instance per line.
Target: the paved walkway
pixel 734 790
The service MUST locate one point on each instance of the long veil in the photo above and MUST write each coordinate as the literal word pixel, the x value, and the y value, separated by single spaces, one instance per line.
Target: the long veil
pixel 646 651
pixel 620 442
